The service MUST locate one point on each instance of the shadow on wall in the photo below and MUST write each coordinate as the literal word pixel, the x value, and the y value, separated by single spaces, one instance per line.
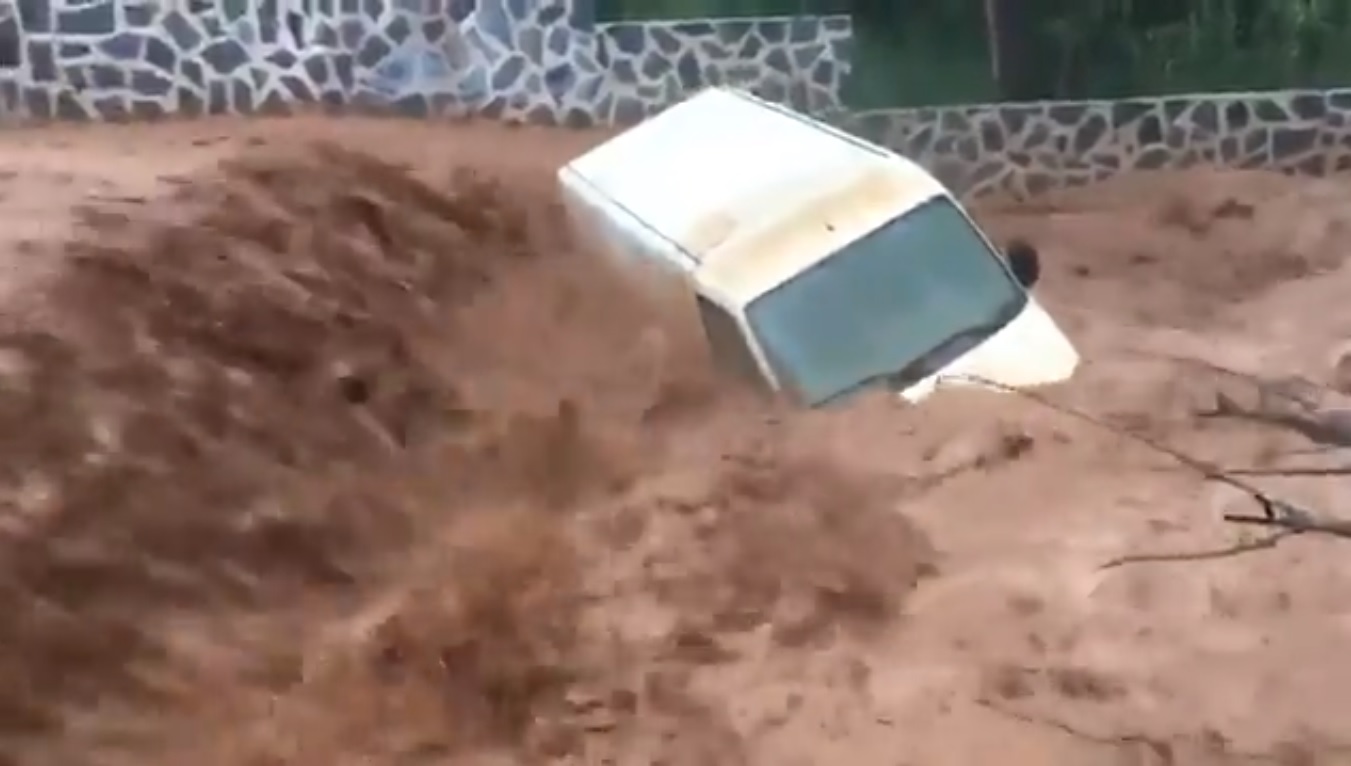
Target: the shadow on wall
pixel 538 60
pixel 11 58
pixel 550 62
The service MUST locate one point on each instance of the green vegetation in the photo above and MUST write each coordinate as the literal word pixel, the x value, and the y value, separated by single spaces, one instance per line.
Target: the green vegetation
pixel 919 52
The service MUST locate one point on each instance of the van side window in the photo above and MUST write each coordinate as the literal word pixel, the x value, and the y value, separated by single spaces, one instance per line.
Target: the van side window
pixel 727 344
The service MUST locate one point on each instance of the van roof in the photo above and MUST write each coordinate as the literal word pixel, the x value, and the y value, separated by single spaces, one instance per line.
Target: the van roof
pixel 724 167
pixel 761 258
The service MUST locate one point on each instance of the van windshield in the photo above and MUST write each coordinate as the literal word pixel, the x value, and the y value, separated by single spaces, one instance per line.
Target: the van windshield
pixel 902 302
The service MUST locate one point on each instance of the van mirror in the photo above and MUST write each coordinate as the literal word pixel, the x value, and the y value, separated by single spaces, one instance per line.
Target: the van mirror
pixel 1024 262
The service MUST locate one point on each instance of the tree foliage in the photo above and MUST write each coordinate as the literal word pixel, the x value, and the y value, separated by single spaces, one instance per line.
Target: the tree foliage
pixel 1128 47
pixel 1112 48
pixel 912 52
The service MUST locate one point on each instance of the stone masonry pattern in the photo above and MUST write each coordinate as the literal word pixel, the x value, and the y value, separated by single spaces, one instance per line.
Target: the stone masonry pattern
pixel 549 61
pixel 537 60
pixel 1023 149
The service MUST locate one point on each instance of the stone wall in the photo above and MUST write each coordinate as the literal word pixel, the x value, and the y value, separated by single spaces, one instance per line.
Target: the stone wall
pixel 1026 148
pixel 544 60
pixel 549 61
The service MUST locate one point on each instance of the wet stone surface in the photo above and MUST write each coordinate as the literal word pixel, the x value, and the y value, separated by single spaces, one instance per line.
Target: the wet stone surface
pixel 537 60
pixel 1026 148
pixel 548 61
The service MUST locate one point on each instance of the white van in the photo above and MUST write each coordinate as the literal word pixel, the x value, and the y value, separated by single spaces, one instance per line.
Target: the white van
pixel 822 264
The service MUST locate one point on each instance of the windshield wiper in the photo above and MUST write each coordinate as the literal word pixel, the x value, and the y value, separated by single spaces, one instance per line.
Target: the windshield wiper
pixel 935 358
pixel 939 356
pixel 919 369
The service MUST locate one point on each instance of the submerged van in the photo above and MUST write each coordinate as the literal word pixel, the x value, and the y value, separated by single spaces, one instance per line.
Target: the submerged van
pixel 822 265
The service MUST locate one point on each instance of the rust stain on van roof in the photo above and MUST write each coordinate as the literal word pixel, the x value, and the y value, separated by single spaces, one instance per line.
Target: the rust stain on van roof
pixel 720 228
pixel 748 262
pixel 709 232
